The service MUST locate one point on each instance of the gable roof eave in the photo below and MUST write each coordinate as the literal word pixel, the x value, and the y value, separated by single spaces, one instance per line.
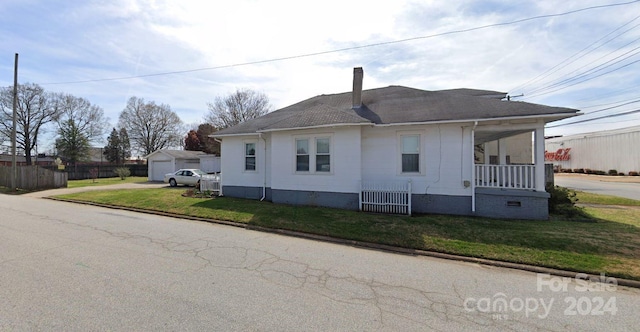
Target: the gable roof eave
pixel 554 116
pixel 256 133
pixel 318 126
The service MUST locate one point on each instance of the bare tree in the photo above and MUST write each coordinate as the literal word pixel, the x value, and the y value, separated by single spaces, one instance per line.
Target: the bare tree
pixel 150 127
pixel 240 106
pixel 79 124
pixel 88 118
pixel 34 110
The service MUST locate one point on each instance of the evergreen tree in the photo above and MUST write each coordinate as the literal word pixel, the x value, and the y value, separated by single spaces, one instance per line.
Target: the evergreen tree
pixel 72 143
pixel 125 145
pixel 191 141
pixel 208 144
pixel 112 150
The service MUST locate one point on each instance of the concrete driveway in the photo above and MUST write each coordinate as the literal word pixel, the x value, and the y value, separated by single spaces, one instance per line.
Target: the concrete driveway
pixel 62 191
pixel 621 186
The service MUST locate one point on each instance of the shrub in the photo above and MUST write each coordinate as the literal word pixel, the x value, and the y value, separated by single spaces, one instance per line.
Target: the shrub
pixel 566 170
pixel 599 172
pixel 578 170
pixel 621 174
pixel 560 196
pixel 613 172
pixel 122 172
pixel 563 202
pixel 633 173
pixel 94 174
pixel 588 171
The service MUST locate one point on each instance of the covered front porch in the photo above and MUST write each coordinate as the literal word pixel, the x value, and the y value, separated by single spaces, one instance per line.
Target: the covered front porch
pixel 494 163
pixel 508 177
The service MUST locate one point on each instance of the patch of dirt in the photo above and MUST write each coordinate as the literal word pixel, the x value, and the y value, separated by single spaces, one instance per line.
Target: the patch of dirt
pixel 197 194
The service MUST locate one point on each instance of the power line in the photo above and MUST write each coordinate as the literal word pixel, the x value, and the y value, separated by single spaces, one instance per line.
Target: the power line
pixel 347 48
pixel 598 118
pixel 611 103
pixel 609 93
pixel 612 107
pixel 591 70
pixel 569 59
pixel 587 79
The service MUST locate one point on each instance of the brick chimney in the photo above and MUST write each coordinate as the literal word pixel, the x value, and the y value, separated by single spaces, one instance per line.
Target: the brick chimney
pixel 358 73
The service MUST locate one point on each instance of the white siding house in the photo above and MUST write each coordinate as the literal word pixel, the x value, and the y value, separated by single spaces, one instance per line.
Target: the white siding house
pixel 323 150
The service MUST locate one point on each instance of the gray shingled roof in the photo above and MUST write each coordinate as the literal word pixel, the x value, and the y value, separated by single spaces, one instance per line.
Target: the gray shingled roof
pixel 394 104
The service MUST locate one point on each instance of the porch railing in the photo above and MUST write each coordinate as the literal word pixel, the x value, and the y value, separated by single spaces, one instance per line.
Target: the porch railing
pixel 505 176
pixel 211 183
pixel 385 197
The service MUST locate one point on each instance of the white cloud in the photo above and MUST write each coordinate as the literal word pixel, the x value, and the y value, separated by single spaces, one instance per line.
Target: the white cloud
pixel 68 41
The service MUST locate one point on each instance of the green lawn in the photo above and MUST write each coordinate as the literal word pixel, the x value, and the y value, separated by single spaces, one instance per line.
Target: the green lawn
pixel 609 243
pixel 588 198
pixel 105 181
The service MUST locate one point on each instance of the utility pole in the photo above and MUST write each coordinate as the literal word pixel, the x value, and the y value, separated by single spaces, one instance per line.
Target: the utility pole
pixel 14 167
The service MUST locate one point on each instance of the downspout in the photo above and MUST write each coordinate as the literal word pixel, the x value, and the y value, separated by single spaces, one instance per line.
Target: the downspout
pixel 473 167
pixel 219 175
pixel 264 174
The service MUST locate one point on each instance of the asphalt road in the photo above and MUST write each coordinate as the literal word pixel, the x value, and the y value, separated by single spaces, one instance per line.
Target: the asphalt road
pixel 604 185
pixel 81 268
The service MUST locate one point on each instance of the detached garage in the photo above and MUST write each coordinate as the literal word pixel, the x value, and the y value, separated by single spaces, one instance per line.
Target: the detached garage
pixel 162 162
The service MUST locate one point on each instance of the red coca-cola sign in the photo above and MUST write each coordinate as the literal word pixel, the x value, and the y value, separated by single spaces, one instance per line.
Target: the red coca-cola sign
pixel 560 155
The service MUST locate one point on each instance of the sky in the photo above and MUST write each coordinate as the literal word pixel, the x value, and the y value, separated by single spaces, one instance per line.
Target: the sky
pixel 576 54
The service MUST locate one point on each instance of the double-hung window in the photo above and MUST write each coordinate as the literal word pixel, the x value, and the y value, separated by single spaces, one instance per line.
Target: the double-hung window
pixel 249 156
pixel 323 157
pixel 302 155
pixel 313 154
pixel 410 153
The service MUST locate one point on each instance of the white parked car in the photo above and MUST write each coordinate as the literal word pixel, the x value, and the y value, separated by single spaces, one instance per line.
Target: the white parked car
pixel 187 176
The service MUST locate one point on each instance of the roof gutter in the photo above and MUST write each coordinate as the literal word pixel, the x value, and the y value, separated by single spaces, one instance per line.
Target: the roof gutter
pixel 319 126
pixel 560 116
pixel 563 115
pixel 229 135
pixel 258 132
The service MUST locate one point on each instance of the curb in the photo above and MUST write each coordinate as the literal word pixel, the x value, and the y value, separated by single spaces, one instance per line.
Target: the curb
pixel 367 245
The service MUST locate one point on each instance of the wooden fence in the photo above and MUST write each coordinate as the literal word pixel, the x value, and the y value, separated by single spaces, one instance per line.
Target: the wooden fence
pixel 83 171
pixel 211 183
pixel 385 197
pixel 33 177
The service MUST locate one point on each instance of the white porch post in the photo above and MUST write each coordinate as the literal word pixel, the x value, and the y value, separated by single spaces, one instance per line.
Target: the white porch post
pixel 539 157
pixel 487 159
pixel 473 164
pixel 502 151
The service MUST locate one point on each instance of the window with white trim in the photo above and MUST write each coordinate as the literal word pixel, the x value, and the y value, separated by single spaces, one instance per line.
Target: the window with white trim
pixel 323 155
pixel 302 155
pixel 313 154
pixel 410 156
pixel 249 156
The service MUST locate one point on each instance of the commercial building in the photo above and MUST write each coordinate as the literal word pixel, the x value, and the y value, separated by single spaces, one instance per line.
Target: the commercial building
pixel 598 151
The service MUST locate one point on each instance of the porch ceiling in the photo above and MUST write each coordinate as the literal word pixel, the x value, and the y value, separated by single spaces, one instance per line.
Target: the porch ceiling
pixel 488 136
